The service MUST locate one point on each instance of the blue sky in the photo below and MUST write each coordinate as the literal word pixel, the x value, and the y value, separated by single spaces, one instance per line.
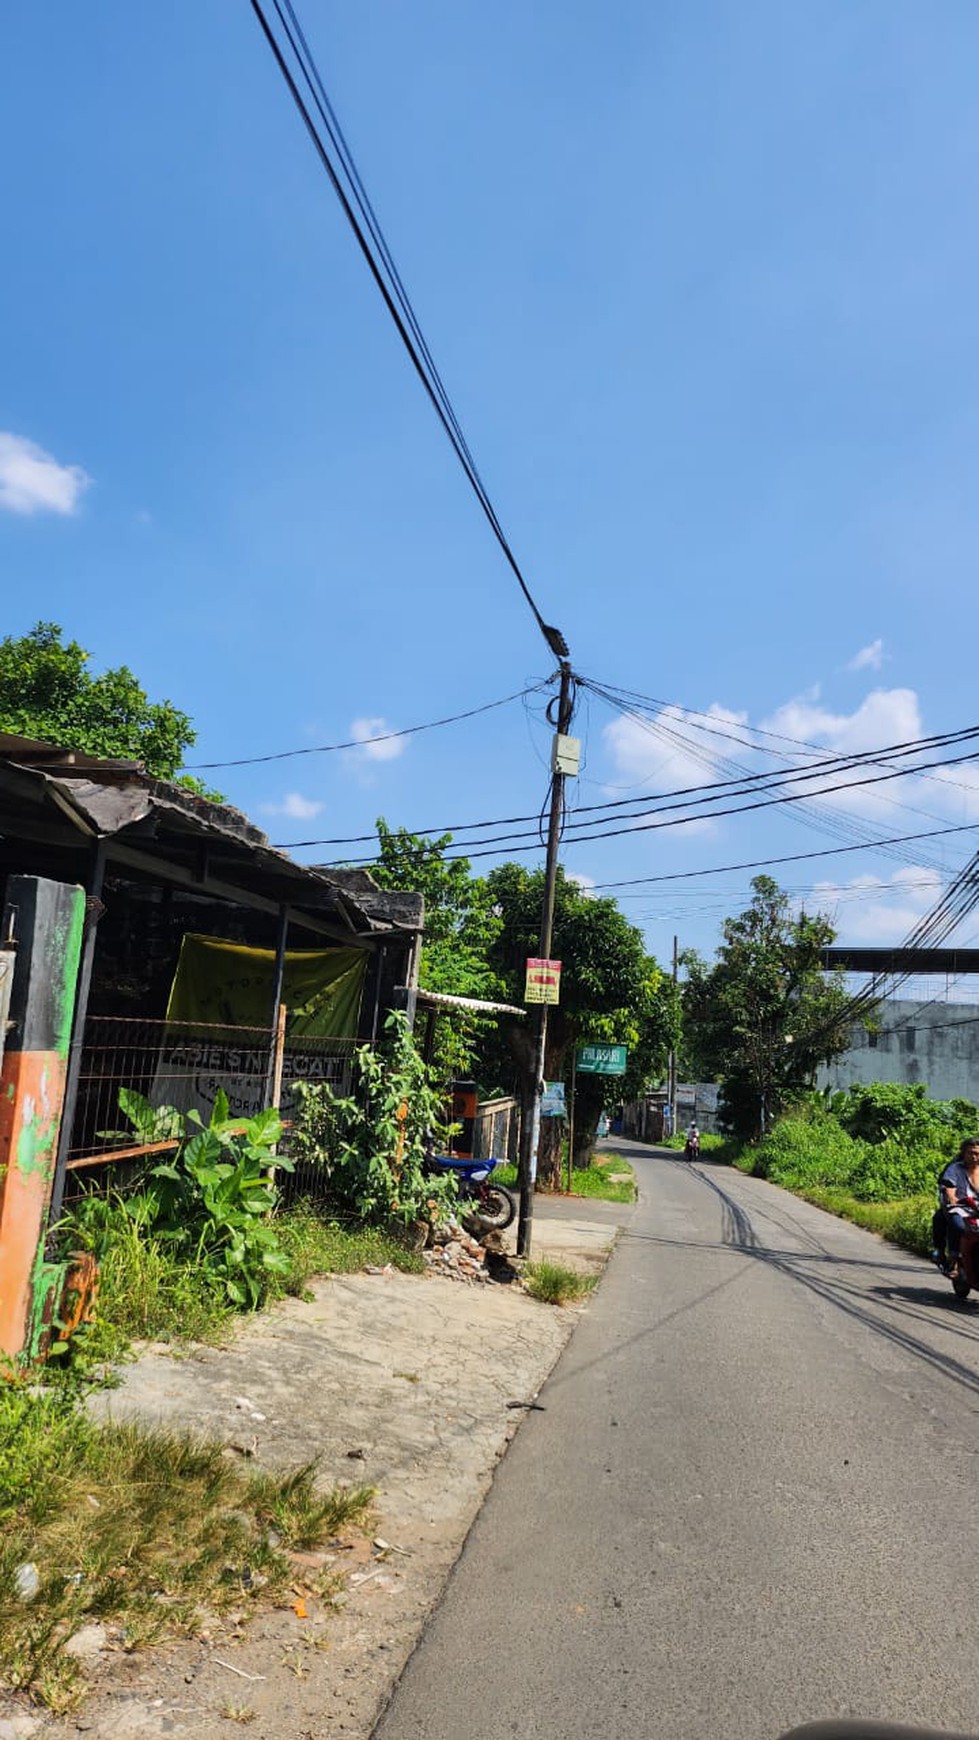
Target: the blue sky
pixel 702 283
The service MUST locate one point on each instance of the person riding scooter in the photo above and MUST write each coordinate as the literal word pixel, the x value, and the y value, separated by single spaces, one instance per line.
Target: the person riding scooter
pixel 692 1149
pixel 958 1190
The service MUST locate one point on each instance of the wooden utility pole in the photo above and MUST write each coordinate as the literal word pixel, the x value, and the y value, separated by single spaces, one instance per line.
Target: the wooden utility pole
pixel 530 1132
pixel 671 1077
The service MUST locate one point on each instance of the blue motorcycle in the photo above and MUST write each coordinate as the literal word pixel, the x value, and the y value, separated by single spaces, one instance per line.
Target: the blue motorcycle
pixel 490 1206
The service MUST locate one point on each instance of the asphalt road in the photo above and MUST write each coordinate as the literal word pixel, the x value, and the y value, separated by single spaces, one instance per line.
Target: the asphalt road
pixel 750 1500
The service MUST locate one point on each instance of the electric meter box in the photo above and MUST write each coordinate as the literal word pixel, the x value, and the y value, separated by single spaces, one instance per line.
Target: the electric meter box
pixel 566 755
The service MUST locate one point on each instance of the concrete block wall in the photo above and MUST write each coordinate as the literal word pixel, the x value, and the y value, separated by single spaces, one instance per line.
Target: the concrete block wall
pixel 937 1044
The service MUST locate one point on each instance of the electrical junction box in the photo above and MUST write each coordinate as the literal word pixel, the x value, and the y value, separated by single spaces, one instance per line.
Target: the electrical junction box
pixel 566 755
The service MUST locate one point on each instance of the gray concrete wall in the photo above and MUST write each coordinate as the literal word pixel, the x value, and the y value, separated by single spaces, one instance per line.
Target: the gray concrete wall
pixel 937 1044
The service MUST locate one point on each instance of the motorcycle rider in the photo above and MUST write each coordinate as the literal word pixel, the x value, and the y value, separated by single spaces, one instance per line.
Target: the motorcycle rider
pixel 958 1189
pixel 692 1149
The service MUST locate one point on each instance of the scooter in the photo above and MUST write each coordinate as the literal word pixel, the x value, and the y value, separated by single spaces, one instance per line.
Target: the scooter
pixel 489 1205
pixel 967 1276
pixel 691 1151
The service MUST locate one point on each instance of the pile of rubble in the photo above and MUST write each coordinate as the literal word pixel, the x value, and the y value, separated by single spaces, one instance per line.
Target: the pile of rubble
pixel 459 1256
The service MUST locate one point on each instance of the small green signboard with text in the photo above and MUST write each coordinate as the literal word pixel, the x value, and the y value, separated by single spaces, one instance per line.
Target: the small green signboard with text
pixel 602 1059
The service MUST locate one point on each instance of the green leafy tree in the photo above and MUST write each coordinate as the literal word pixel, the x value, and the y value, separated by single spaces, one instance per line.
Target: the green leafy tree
pixel 645 1030
pixel 764 1017
pixel 460 928
pixel 47 691
pixel 609 991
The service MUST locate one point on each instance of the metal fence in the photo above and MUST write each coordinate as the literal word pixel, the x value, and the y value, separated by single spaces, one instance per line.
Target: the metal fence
pixel 181 1064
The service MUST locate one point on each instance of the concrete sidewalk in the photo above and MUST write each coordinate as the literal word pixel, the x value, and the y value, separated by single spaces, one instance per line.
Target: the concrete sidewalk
pixel 414 1384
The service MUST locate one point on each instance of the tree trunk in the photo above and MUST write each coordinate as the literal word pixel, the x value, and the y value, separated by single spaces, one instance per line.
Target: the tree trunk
pixel 549 1154
pixel 589 1105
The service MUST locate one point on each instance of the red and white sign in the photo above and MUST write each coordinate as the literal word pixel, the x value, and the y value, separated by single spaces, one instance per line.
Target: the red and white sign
pixel 543 981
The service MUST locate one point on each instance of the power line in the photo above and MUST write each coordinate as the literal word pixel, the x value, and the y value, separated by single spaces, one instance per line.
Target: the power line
pixel 622 699
pixel 789 858
pixel 492 848
pixel 811 815
pixel 700 795
pixel 385 274
pixel 362 743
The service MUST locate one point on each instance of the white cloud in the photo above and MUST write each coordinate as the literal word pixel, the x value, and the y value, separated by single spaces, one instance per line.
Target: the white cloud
pixel 31 482
pixel 876 910
pixel 883 718
pixel 585 883
pixel 369 733
pixel 869 658
pixel 295 806
pixel 644 754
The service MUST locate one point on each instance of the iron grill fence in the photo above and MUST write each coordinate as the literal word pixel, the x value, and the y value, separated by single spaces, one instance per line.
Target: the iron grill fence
pixel 182 1064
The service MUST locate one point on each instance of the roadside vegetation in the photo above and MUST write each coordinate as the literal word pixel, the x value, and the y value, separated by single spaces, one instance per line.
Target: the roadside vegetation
pixel 138 1531
pixel 555 1284
pixel 610 1179
pixel 872 1155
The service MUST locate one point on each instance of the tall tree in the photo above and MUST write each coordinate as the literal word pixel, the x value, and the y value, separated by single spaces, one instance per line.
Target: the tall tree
pixel 645 1030
pixel 460 928
pixel 765 1015
pixel 47 691
pixel 608 986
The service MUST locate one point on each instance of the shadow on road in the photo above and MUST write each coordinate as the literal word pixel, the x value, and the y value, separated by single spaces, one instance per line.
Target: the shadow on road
pixel 739 1233
pixel 887 1311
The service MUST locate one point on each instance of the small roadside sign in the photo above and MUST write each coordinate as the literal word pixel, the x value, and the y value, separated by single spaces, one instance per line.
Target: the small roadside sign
pixel 552 1103
pixel 602 1059
pixel 543 981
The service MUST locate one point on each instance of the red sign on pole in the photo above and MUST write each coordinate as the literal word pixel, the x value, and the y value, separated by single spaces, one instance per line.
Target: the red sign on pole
pixel 543 981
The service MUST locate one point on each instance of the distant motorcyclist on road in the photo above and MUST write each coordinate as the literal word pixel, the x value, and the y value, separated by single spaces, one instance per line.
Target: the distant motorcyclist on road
pixel 958 1190
pixel 692 1149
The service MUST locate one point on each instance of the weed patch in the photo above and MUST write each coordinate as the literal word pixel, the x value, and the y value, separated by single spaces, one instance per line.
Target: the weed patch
pixel 554 1284
pixel 315 1246
pixel 906 1223
pixel 151 1290
pixel 597 1182
pixel 136 1529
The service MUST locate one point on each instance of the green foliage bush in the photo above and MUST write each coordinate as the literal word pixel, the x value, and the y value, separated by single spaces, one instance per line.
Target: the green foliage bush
pixel 891 1169
pixel 371 1145
pixel 876 1111
pixel 803 1152
pixel 881 1142
pixel 208 1207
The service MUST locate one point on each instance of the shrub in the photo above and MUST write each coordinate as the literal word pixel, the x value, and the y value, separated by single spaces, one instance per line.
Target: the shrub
pixel 209 1206
pixel 372 1145
pixel 890 1170
pixel 876 1111
pixel 805 1152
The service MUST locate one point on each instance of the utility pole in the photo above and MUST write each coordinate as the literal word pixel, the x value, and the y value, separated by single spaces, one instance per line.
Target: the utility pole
pixel 671 1077
pixel 530 1131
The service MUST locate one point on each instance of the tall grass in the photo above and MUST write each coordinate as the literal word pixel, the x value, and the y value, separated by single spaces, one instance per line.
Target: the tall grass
pixel 554 1284
pixel 597 1181
pixel 148 1291
pixel 138 1529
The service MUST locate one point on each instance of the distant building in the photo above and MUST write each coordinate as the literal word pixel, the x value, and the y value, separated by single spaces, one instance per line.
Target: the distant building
pixel 934 1043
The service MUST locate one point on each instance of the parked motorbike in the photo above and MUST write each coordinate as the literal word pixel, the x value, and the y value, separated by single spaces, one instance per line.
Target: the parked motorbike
pixel 490 1206
pixel 967 1276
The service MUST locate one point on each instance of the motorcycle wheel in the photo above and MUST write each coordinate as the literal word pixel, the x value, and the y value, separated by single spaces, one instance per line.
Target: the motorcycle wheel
pixel 961 1287
pixel 495 1208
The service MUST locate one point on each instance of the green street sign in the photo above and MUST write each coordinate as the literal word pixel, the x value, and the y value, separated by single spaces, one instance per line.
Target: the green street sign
pixel 602 1059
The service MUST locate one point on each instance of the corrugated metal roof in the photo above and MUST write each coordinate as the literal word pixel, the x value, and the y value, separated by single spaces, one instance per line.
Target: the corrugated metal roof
pixel 67 799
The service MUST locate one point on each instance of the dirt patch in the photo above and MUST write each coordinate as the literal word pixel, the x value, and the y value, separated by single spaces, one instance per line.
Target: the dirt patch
pixel 409 1383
